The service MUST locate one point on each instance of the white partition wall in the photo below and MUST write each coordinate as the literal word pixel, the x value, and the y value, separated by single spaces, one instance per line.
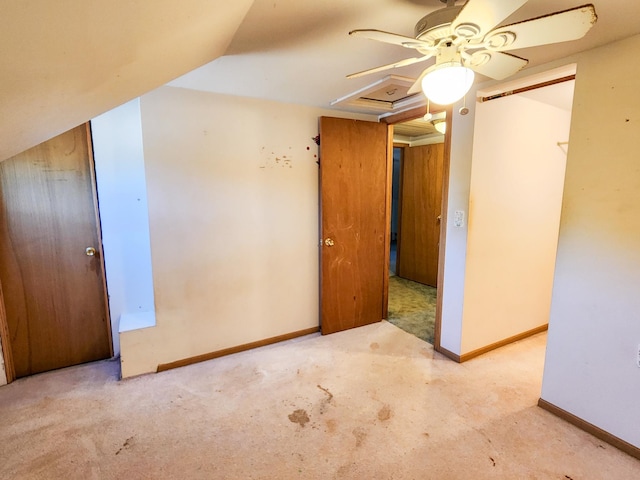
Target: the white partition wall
pixel 124 218
pixel 591 366
pixel 517 176
pixel 233 214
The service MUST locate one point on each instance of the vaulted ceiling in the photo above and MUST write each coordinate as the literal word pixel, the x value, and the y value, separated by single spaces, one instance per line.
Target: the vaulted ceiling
pixel 64 62
pixel 299 51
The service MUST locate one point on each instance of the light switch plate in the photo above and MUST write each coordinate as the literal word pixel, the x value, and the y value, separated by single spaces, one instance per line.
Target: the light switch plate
pixel 458 218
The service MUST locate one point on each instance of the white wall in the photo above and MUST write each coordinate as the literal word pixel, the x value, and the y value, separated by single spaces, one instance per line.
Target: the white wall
pixel 517 177
pixel 122 196
pixel 456 236
pixel 594 332
pixel 233 208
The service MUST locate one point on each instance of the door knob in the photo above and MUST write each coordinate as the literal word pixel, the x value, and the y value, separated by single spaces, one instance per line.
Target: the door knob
pixel 90 251
pixel 329 243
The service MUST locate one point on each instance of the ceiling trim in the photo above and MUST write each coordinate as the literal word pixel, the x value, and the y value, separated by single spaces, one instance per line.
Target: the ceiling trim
pixel 372 97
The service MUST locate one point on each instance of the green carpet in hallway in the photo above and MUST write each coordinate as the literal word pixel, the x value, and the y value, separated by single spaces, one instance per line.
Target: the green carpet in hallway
pixel 412 307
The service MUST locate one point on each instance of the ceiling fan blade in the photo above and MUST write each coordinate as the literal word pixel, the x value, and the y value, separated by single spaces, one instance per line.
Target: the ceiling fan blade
pixel 496 65
pixel 417 85
pixel 401 63
pixel 556 27
pixel 478 17
pixel 392 38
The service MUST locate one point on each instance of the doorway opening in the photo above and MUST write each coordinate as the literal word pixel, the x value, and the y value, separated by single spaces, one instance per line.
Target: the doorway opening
pixel 516 186
pixel 416 212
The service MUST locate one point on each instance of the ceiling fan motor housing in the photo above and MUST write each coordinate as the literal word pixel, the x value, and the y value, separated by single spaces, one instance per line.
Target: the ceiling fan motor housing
pixel 436 25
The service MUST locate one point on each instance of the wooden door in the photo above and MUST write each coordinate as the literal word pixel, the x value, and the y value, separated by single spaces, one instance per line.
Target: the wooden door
pixel 355 171
pixel 53 288
pixel 421 209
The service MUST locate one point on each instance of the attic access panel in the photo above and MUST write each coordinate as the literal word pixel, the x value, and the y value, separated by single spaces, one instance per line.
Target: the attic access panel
pixel 388 95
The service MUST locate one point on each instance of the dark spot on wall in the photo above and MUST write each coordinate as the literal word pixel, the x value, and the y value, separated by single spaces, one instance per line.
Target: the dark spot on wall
pixel 492 461
pixel 374 346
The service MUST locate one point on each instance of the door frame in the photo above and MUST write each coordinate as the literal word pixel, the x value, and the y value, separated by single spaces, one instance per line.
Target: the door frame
pixel 9 368
pixel 446 162
pixel 4 326
pixel 399 213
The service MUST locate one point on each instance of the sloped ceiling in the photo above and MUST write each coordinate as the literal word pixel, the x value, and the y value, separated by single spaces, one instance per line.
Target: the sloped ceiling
pixel 299 51
pixel 63 62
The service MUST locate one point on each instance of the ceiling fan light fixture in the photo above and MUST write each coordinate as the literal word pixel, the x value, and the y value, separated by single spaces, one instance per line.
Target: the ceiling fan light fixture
pixel 447 82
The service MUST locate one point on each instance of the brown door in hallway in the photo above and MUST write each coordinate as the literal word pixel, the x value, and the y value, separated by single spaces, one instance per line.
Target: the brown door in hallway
pixel 355 179
pixel 421 209
pixel 51 267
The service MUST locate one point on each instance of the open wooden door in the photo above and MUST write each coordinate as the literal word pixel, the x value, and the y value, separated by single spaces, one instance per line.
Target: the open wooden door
pixel 421 210
pixel 51 268
pixel 355 178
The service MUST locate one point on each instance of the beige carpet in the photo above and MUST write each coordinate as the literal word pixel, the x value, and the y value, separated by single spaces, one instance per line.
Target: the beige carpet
pixel 370 403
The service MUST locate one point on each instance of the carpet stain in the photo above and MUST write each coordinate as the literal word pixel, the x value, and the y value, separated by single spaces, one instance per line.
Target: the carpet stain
pixel 384 413
pixel 360 434
pixel 345 471
pixel 326 390
pixel 126 445
pixel 331 426
pixel 325 401
pixel 374 346
pixel 300 417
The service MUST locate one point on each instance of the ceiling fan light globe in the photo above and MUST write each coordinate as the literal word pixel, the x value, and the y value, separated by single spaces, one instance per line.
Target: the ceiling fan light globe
pixel 447 83
pixel 440 126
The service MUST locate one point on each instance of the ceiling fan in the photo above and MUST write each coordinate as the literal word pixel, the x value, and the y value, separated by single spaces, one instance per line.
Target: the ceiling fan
pixel 464 39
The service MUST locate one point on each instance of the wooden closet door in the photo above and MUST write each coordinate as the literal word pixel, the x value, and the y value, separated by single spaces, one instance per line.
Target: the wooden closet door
pixel 51 265
pixel 421 208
